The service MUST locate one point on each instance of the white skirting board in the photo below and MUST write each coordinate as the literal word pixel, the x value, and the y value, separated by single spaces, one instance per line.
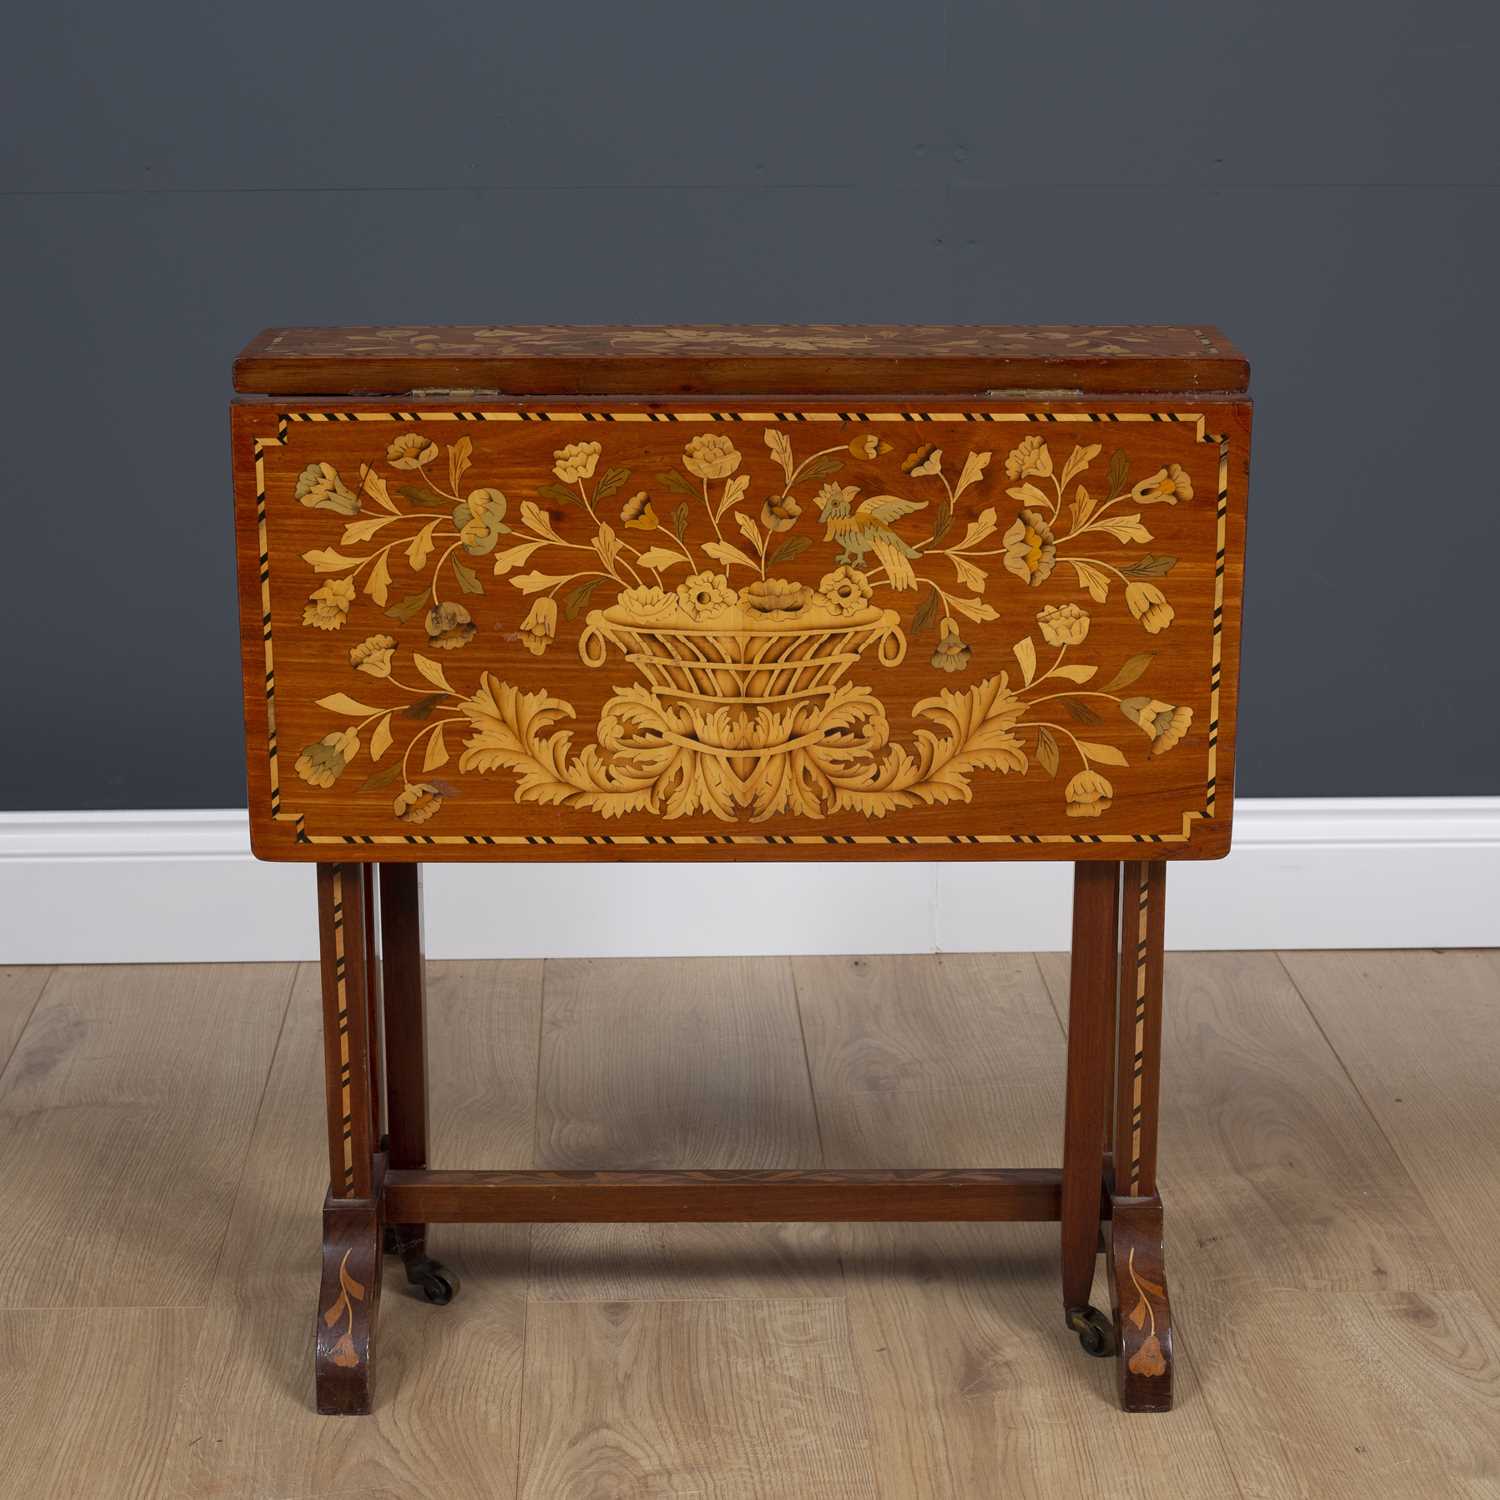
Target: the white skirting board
pixel 181 887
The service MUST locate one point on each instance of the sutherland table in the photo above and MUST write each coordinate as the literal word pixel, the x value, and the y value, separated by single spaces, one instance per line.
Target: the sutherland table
pixel 740 593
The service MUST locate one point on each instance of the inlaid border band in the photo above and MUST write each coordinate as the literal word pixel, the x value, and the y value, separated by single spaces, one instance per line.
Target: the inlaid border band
pixel 284 420
pixel 341 1016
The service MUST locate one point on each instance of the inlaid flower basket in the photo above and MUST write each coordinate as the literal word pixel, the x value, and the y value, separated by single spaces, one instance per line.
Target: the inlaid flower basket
pixel 746 671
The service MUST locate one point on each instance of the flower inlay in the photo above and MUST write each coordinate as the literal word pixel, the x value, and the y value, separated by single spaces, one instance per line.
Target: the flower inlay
pixel 753 684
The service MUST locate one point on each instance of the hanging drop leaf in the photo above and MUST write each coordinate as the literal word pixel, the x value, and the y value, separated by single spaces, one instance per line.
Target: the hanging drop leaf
pixel 734 492
pixel 660 557
pixel 727 553
pixel 342 703
pixel 781 450
pixel 678 482
pixel 437 751
pixel 580 596
pixel 431 671
pixel 751 530
pixel 326 560
pixel 363 529
pixel 611 481
pixel 1128 673
pixel 1153 565
pixel 607 545
pixel 1080 510
pixel 943 520
pixel 1092 579
pixel 820 468
pixel 538 520
pixel 1025 653
pixel 421 708
pixel 373 485
pixel 381 778
pixel 420 548
pixel 378 581
pixel 1119 468
pixel 380 741
pixel 468 579
pixel 1079 711
pixel 926 613
pixel 458 460
pixel 1106 755
pixel 412 605
pixel 513 557
pixel 1046 751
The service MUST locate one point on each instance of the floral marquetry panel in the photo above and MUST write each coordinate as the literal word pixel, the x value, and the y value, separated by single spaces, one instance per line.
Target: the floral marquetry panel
pixel 628 631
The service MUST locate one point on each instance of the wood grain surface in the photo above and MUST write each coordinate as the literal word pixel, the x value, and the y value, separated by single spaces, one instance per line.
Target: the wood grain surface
pixel 640 632
pixel 20 989
pixel 794 359
pixel 1430 1087
pixel 733 1399
pixel 694 1065
pixel 1357 1357
pixel 103 1097
pixel 88 1399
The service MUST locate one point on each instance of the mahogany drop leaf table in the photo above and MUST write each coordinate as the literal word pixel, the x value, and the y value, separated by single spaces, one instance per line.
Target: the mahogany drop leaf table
pixel 740 593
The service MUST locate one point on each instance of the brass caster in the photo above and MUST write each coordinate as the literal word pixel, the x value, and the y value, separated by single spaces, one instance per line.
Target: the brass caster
pixel 1096 1332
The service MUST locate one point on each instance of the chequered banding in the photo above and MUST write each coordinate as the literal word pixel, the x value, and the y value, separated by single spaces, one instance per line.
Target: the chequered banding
pixel 1138 1049
pixel 283 419
pixel 1221 553
pixel 739 840
pixel 283 430
pixel 341 1013
pixel 265 614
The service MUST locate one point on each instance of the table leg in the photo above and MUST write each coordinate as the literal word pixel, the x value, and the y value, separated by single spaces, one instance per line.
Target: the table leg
pixel 405 986
pixel 375 1003
pixel 1091 1012
pixel 349 1297
pixel 1137 1279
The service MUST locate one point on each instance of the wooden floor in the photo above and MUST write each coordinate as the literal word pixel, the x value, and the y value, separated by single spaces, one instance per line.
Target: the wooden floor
pixel 1331 1167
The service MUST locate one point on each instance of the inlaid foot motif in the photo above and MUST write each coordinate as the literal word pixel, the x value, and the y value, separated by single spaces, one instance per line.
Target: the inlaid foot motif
pixel 348 1301
pixel 1143 1316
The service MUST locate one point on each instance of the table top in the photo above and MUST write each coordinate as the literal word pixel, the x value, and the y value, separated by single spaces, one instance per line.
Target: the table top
pixel 750 359
pixel 647 630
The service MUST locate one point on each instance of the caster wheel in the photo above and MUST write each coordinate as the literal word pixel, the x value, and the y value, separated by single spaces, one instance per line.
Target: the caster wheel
pixel 439 1285
pixel 1096 1333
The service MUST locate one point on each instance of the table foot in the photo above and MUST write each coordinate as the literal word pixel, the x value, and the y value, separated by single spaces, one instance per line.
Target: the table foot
pixel 348 1301
pixel 1142 1313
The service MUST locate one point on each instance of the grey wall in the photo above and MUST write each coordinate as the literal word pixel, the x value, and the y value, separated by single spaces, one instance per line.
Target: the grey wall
pixel 1320 179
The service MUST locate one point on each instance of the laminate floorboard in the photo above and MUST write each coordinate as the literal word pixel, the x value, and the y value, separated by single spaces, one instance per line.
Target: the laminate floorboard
pixel 1328 1145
